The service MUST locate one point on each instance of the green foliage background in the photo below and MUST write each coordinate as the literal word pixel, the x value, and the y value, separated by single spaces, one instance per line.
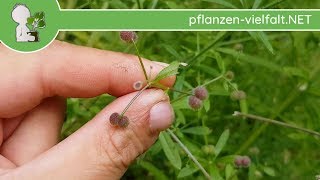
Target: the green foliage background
pixel 283 85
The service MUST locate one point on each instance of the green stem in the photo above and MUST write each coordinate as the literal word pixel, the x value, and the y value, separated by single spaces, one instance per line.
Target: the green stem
pixel 140 60
pixel 139 4
pixel 186 150
pixel 213 80
pixel 263 119
pixel 133 99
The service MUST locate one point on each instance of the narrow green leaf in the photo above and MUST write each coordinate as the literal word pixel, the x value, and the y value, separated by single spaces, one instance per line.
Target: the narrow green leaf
pixel 157 173
pixel 251 59
pixel 206 105
pixel 223 3
pixel 187 171
pixel 252 172
pixel 272 4
pixel 265 40
pixel 170 150
pixel 170 70
pixel 172 51
pixel 199 130
pixel 222 141
pixel 256 4
pixel 243 106
pixel 293 71
pixel 229 171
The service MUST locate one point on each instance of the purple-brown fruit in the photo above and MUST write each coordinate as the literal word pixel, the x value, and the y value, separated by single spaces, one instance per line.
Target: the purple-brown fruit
pixel 238 161
pixel 245 161
pixel 128 36
pixel 114 119
pixel 201 93
pixel 195 103
pixel 123 122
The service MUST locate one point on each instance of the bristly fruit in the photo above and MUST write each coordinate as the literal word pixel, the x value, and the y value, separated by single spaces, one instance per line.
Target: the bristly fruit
pixel 229 75
pixel 238 161
pixel 201 92
pixel 137 85
pixel 114 119
pixel 238 95
pixel 245 161
pixel 195 103
pixel 123 122
pixel 128 36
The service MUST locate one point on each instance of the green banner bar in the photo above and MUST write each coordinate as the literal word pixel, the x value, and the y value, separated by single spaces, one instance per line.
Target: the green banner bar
pixel 190 20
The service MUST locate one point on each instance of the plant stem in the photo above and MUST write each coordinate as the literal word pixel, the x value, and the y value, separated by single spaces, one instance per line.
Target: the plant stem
pixel 186 150
pixel 263 119
pixel 139 4
pixel 213 80
pixel 140 60
pixel 133 99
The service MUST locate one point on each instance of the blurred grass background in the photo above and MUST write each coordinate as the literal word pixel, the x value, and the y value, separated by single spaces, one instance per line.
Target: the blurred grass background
pixel 284 85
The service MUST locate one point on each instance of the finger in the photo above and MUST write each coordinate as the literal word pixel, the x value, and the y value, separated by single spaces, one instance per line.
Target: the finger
pixel 66 70
pixel 38 131
pixel 99 150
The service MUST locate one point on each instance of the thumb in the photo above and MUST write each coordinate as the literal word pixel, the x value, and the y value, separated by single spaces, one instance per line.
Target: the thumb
pixel 99 150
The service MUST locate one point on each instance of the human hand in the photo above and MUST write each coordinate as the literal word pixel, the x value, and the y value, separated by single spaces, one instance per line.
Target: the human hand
pixel 32 108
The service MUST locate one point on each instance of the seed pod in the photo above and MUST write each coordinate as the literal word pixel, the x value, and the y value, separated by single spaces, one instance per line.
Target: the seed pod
pixel 238 47
pixel 123 122
pixel 137 85
pixel 114 119
pixel 128 36
pixel 238 95
pixel 229 75
pixel 238 161
pixel 195 103
pixel 201 92
pixel 208 149
pixel 245 161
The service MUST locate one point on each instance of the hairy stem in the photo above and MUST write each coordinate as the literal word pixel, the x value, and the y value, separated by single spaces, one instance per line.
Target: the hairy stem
pixel 140 60
pixel 263 119
pixel 186 150
pixel 133 99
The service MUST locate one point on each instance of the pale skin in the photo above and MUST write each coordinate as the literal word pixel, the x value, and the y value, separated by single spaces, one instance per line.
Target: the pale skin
pixel 34 88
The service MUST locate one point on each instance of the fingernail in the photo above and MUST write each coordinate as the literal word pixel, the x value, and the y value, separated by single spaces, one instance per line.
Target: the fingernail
pixel 161 116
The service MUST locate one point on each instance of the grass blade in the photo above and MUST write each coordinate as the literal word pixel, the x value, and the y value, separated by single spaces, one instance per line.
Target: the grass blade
pixel 223 3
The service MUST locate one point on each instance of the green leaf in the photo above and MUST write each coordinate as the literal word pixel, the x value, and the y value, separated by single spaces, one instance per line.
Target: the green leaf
pixel 269 171
pixel 206 105
pixel 229 171
pixel 41 24
pixel 199 130
pixel 243 106
pixel 39 15
pixel 222 141
pixel 220 62
pixel 223 3
pixel 262 37
pixel 252 172
pixel 293 71
pixel 272 4
pixel 251 59
pixel 30 21
pixel 187 171
pixel 157 173
pixel 170 70
pixel 256 4
pixel 172 51
pixel 244 4
pixel 170 150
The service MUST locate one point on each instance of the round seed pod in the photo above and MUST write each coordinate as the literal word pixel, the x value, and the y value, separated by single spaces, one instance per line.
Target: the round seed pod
pixel 238 161
pixel 137 85
pixel 229 75
pixel 114 119
pixel 238 95
pixel 245 161
pixel 201 92
pixel 238 47
pixel 208 149
pixel 123 122
pixel 195 103
pixel 128 36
